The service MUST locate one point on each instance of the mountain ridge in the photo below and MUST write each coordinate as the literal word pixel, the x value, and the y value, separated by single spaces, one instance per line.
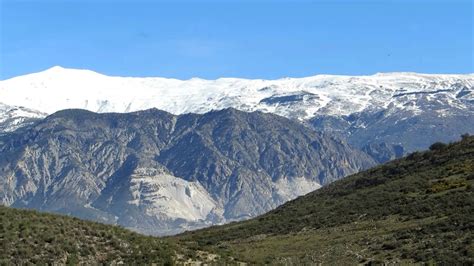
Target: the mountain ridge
pixel 221 166
pixel 53 80
pixel 384 110
pixel 59 68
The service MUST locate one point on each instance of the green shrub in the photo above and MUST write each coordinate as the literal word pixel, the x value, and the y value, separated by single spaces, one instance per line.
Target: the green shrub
pixel 437 146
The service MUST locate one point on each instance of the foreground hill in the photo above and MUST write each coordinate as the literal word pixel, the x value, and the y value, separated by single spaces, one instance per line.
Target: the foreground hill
pixel 415 209
pixel 39 238
pixel 419 208
pixel 159 173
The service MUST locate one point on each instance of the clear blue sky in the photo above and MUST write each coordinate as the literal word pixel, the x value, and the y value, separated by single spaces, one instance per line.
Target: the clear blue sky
pixel 253 39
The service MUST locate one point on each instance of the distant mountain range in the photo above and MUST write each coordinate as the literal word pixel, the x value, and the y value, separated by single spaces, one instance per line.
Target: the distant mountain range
pixel 386 114
pixel 159 173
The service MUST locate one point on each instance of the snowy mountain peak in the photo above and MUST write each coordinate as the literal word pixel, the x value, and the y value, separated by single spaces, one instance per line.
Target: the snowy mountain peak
pixel 55 69
pixel 59 70
pixel 55 73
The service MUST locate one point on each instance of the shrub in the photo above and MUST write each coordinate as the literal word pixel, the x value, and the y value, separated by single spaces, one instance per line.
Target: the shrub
pixel 437 146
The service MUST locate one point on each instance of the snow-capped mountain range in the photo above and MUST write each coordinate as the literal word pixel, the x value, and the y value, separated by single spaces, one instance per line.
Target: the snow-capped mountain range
pixel 59 88
pixel 386 114
pixel 207 179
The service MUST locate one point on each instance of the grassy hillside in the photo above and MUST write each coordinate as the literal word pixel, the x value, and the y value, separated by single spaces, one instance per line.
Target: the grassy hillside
pixel 39 238
pixel 419 208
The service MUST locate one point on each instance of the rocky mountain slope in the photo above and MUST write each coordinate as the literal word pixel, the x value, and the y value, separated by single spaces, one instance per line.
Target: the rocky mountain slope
pixel 160 173
pixel 386 114
pixel 12 118
pixel 411 210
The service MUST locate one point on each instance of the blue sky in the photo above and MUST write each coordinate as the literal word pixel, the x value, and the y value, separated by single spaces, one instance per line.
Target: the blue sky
pixel 252 39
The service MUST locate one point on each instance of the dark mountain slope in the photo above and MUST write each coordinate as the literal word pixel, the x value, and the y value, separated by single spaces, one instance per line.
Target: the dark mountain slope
pixel 159 173
pixel 419 208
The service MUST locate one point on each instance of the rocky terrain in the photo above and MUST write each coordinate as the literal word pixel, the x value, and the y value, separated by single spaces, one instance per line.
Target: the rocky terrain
pixel 12 118
pixel 159 173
